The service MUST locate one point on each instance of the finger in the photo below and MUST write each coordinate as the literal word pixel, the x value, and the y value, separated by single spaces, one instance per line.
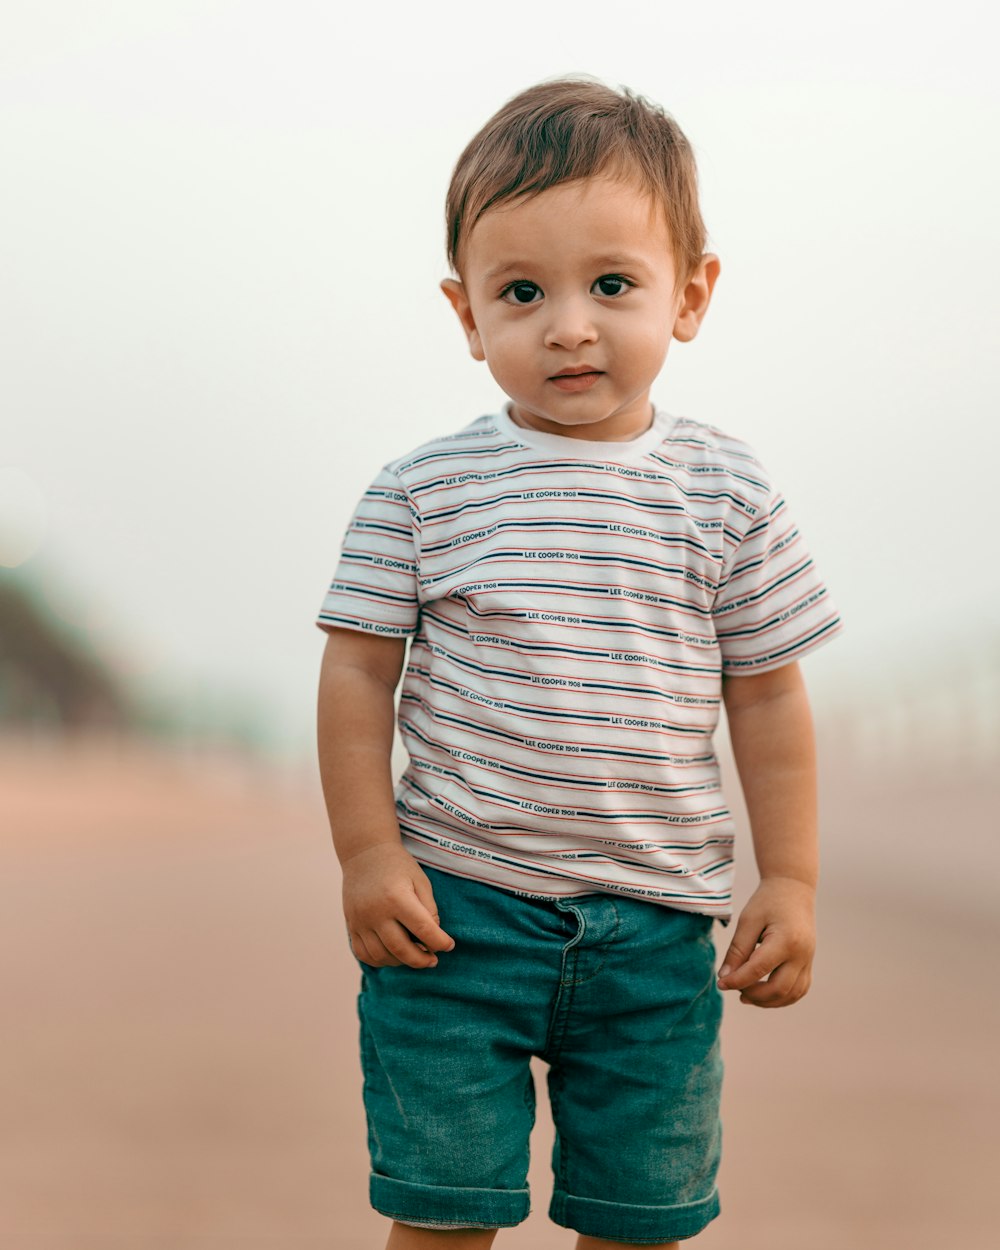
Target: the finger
pixel 360 950
pixel 382 957
pixel 798 989
pixel 399 943
pixel 742 946
pixel 419 915
pixel 776 990
pixel 768 955
pixel 801 987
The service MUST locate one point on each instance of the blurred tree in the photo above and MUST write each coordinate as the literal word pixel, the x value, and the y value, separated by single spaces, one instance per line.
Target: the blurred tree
pixel 47 678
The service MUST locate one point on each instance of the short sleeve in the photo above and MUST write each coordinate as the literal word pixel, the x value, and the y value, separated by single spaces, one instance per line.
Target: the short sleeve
pixel 772 607
pixel 374 587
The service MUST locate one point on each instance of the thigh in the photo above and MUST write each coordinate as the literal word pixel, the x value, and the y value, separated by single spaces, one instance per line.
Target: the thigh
pixel 446 1051
pixel 635 1083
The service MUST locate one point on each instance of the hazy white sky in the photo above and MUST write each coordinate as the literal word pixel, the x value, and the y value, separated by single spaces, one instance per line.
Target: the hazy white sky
pixel 221 235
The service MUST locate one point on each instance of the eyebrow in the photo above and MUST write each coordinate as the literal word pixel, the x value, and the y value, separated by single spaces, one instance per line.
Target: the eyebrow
pixel 620 260
pixel 607 263
pixel 514 266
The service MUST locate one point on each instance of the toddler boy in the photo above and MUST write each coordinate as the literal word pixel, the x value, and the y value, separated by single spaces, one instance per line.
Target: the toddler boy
pixel 583 578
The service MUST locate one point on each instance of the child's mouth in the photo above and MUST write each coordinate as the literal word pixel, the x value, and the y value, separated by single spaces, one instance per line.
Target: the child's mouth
pixel 575 381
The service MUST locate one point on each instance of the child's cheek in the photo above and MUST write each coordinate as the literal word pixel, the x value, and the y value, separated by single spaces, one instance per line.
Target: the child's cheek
pixel 507 348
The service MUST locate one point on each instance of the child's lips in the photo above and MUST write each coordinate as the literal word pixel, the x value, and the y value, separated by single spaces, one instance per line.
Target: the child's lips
pixel 576 381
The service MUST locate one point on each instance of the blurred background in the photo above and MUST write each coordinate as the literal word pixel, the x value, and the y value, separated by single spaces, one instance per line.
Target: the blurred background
pixel 221 235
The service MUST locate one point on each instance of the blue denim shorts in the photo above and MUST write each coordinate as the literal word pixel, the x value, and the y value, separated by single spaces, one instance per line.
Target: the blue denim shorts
pixel 617 995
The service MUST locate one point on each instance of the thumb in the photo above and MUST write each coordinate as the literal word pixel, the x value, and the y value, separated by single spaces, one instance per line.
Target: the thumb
pixel 424 892
pixel 742 946
pixel 425 896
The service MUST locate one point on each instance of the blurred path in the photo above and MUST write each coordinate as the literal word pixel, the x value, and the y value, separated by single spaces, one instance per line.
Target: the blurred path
pixel 179 1034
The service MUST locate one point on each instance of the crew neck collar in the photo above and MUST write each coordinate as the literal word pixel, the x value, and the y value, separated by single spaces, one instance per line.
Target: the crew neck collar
pixel 588 449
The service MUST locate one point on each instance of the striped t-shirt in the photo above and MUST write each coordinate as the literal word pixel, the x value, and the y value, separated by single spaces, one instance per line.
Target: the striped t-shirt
pixel 572 607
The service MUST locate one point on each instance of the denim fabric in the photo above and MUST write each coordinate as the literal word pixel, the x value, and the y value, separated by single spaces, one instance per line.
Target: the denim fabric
pixel 618 997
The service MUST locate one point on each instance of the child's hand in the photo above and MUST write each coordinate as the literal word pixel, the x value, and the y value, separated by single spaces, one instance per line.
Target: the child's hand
pixel 780 915
pixel 389 908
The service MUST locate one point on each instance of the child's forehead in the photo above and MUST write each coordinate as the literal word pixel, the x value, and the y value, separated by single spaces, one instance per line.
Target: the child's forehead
pixel 594 218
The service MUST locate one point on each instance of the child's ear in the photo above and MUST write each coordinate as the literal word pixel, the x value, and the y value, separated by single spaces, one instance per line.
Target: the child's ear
pixel 458 299
pixel 696 297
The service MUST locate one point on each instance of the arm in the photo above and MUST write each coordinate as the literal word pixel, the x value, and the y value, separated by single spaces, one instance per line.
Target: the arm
pixel 387 896
pixel 771 731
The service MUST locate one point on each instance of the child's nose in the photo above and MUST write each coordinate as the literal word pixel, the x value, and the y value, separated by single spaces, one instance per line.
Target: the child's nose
pixel 570 324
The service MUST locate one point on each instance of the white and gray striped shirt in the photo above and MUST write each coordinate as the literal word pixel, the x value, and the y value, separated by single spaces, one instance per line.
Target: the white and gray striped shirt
pixel 572 607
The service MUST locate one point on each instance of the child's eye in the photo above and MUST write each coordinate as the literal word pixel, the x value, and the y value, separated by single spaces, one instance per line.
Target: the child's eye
pixel 521 293
pixel 610 284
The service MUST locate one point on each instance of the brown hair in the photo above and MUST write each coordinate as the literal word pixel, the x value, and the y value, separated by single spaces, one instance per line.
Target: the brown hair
pixel 573 128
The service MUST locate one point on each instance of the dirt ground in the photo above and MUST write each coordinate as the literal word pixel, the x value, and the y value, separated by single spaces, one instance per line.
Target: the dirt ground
pixel 178 1031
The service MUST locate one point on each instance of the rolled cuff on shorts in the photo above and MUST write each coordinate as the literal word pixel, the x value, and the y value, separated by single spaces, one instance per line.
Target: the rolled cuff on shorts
pixel 412 1203
pixel 618 1221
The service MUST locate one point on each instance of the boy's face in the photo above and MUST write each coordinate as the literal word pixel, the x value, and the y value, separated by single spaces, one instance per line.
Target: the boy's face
pixel 569 298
